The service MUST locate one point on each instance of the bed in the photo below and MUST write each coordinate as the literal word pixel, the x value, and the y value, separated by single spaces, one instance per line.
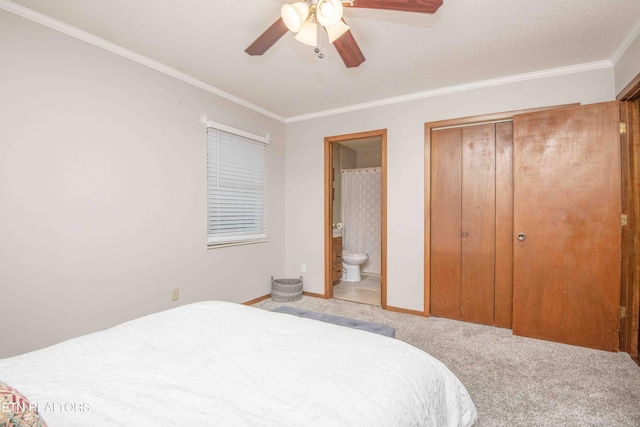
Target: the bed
pixel 223 364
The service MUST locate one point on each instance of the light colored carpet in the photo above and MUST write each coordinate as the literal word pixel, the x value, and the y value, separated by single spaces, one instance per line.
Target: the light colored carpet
pixel 514 381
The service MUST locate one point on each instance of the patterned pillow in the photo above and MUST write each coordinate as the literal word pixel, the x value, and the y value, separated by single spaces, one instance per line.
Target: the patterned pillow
pixel 16 411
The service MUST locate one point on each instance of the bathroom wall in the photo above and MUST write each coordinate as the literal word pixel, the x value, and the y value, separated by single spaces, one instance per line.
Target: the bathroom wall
pixel 348 158
pixel 337 183
pixel 343 158
pixel 369 158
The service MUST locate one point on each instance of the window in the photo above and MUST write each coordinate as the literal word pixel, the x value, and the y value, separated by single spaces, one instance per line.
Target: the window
pixel 236 186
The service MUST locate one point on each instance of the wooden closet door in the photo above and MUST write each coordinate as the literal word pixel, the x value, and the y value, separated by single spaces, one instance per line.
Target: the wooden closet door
pixel 446 211
pixel 463 203
pixel 478 223
pixel 567 205
pixel 504 225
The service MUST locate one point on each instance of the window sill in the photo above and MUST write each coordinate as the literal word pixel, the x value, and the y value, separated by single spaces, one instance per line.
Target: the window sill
pixel 226 245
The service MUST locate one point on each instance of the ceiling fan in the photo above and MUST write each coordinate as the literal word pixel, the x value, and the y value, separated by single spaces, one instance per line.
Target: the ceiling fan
pixel 303 18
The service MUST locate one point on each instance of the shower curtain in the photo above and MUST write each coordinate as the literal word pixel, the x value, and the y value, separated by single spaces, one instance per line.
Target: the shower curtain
pixel 362 214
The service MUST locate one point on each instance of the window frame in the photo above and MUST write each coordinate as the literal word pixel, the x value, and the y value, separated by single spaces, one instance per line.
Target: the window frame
pixel 238 239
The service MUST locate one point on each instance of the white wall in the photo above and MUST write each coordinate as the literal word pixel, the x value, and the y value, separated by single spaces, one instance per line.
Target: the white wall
pixel 102 191
pixel 405 173
pixel 628 66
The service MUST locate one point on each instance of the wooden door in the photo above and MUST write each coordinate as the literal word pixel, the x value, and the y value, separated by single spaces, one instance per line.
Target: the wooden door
pixel 567 206
pixel 463 223
pixel 478 223
pixel 446 213
pixel 504 225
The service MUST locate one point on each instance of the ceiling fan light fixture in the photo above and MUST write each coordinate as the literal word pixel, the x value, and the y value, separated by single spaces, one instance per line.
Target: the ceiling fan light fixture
pixel 294 15
pixel 329 12
pixel 336 31
pixel 308 33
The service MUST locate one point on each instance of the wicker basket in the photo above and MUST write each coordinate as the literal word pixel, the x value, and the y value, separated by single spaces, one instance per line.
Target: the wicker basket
pixel 283 290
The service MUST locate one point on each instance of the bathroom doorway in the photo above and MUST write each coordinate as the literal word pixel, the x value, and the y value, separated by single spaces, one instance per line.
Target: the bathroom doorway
pixel 355 164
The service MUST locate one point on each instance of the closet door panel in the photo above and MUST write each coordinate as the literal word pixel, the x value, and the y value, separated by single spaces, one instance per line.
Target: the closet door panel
pixel 478 223
pixel 446 183
pixel 567 203
pixel 504 225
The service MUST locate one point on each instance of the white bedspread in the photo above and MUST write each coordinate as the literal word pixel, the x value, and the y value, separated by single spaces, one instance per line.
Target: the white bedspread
pixel 222 364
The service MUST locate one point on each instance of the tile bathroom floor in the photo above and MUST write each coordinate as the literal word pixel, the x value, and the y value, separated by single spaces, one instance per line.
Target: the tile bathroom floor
pixel 367 291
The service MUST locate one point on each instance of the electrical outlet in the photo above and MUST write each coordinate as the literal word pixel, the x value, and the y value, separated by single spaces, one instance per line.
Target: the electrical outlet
pixel 175 294
pixel 303 268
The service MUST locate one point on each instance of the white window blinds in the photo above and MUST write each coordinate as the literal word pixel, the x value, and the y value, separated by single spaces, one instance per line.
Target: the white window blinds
pixel 236 186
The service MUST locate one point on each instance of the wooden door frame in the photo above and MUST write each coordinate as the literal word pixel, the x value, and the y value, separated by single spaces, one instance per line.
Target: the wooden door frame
pixel 328 209
pixel 631 92
pixel 630 268
pixel 630 277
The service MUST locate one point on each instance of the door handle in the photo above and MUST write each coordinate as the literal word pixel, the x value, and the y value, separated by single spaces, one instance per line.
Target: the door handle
pixel 521 236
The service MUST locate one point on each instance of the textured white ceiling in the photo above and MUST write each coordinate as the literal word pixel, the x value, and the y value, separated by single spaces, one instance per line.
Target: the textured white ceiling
pixel 464 42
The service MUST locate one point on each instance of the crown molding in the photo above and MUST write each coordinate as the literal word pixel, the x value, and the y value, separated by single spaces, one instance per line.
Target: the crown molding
pixel 118 50
pixel 626 42
pixel 77 33
pixel 598 65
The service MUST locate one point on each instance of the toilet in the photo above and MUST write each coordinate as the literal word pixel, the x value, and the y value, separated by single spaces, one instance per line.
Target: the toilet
pixel 351 262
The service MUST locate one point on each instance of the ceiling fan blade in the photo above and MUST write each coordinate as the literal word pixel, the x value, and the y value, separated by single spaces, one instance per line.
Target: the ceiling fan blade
pixel 349 50
pixel 268 38
pixel 420 6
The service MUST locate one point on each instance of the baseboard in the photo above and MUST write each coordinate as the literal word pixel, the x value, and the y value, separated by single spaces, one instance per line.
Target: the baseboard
pixel 405 311
pixel 636 359
pixel 311 294
pixel 264 297
pixel 321 296
pixel 257 300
